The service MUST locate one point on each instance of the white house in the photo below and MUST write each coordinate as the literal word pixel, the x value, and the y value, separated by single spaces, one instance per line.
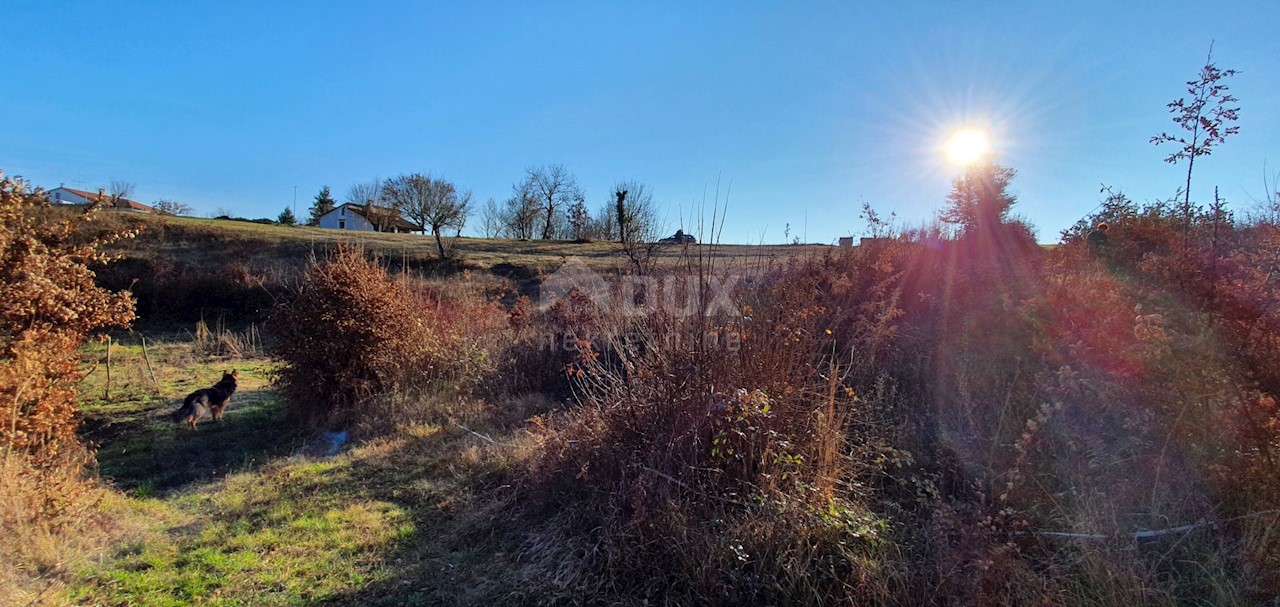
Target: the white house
pixel 357 217
pixel 66 195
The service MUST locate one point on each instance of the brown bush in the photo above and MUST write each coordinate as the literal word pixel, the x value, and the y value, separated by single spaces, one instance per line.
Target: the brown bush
pixel 708 458
pixel 352 332
pixel 48 306
pixel 1005 394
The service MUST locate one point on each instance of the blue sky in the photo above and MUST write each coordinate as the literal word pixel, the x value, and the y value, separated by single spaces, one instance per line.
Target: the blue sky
pixel 799 109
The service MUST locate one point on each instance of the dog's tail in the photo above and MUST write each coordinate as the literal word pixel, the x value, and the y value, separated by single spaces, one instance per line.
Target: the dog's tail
pixel 181 414
pixel 185 411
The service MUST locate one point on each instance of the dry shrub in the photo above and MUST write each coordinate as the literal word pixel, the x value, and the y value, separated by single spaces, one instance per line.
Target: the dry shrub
pixel 1016 393
pixel 707 462
pixel 48 306
pixel 468 328
pixel 350 333
pixel 1097 396
pixel 1005 394
pixel 353 332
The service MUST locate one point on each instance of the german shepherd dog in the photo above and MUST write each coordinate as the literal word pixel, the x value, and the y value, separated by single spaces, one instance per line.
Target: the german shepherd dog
pixel 207 401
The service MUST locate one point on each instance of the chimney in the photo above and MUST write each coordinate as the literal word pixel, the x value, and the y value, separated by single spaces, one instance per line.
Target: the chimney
pixel 101 194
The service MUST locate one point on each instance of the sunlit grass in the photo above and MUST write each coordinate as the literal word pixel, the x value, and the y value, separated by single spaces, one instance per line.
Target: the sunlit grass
pixel 245 513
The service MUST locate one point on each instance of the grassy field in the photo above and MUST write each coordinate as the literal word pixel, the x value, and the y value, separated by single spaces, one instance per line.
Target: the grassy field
pixel 168 236
pixel 243 513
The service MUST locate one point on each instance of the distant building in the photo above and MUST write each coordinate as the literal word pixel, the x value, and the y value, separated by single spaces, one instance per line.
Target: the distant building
pixel 846 241
pixel 66 195
pixel 679 238
pixel 367 218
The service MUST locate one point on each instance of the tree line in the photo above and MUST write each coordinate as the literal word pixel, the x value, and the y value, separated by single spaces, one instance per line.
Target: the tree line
pixel 546 203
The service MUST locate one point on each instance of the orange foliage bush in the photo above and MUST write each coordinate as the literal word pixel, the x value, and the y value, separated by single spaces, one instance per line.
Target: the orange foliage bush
pixel 49 304
pixel 352 332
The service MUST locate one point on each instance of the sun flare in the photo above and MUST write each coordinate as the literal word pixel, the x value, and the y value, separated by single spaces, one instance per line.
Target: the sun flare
pixel 966 147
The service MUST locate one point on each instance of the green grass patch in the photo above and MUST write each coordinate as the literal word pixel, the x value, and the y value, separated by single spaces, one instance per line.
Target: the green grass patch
pixel 236 513
pixel 140 448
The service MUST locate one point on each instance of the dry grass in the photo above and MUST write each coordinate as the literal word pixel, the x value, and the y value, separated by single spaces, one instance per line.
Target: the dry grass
pixel 220 341
pixel 40 553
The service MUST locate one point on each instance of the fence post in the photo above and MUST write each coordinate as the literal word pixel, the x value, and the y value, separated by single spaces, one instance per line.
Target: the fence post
pixel 106 391
pixel 150 371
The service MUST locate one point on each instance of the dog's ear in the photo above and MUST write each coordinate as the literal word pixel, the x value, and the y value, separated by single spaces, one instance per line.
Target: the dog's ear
pixel 235 373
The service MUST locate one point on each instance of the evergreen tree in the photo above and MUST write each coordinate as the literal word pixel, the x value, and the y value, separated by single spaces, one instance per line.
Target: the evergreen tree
pixel 323 204
pixel 286 218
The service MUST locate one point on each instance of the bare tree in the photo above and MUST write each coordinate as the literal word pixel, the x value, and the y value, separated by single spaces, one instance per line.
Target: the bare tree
pixel 120 191
pixel 365 192
pixel 368 195
pixel 556 188
pixel 635 212
pixel 491 219
pixel 637 223
pixel 428 202
pixel 172 207
pixel 605 223
pixel 382 218
pixel 521 212
pixel 1206 117
pixel 1268 209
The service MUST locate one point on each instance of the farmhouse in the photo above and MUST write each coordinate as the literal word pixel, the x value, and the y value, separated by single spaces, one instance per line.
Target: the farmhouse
pixel 365 217
pixel 66 195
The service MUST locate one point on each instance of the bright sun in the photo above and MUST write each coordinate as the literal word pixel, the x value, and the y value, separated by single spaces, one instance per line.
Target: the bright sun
pixel 966 147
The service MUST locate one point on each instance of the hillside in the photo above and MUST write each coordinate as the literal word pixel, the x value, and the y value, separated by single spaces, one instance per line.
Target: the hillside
pixel 183 269
pixel 232 239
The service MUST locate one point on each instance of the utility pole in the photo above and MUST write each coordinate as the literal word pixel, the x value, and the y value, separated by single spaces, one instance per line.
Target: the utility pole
pixel 295 201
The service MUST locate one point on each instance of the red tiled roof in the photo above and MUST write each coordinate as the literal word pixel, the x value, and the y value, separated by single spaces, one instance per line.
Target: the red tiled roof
pixel 123 203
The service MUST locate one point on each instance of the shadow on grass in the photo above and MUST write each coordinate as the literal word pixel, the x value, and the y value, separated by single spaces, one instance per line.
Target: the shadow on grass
pixel 462 549
pixel 403 521
pixel 148 452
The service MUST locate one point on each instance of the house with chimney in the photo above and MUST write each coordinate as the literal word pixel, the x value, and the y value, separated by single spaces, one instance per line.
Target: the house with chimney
pixel 65 195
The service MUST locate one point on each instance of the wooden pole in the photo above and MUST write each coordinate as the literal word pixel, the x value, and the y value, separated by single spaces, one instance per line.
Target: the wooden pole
pixel 150 371
pixel 106 392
